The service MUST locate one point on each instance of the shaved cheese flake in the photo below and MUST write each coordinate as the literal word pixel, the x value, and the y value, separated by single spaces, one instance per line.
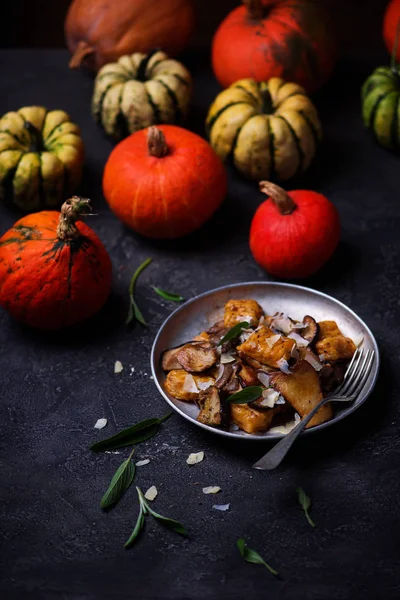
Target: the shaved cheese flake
pixel 282 322
pixel 221 506
pixel 271 341
pixel 264 378
pixel 270 397
pixel 204 385
pixel 284 366
pixel 212 489
pixel 299 325
pixel 300 341
pixel 118 367
pixel 313 361
pixel 227 357
pixel 151 493
pixel 100 423
pixel 246 333
pixel 195 458
pixel 189 385
pixel 141 463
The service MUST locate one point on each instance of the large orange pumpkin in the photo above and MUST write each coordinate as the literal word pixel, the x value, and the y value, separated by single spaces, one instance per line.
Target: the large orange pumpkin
pixel 54 271
pixel 100 31
pixel 290 39
pixel 390 24
pixel 164 182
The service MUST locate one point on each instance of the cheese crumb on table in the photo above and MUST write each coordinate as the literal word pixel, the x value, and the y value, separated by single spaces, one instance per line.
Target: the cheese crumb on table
pixel 151 493
pixel 141 463
pixel 118 367
pixel 212 489
pixel 100 423
pixel 195 458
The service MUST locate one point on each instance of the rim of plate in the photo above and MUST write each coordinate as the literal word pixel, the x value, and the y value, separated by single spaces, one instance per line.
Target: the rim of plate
pixel 274 436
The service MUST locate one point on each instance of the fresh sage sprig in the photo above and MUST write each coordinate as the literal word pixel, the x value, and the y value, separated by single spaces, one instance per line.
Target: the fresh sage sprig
pixel 305 502
pixel 134 311
pixel 168 295
pixel 132 435
pixel 144 509
pixel 121 481
pixel 234 332
pixel 246 395
pixel 251 556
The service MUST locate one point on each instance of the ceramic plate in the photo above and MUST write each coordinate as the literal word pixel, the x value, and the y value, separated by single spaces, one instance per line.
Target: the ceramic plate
pixel 198 314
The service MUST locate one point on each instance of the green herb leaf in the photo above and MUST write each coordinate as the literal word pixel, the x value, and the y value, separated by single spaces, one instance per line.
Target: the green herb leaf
pixel 138 528
pixel 122 479
pixel 170 523
pixel 234 332
pixel 251 556
pixel 134 311
pixel 306 504
pixel 246 395
pixel 168 295
pixel 132 435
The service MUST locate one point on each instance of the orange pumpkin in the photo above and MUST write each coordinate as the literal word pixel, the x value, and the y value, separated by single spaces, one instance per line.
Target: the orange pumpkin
pixel 99 32
pixel 164 182
pixel 53 271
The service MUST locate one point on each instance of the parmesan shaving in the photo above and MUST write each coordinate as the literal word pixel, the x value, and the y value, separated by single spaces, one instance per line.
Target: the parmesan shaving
pixel 271 341
pixel 100 423
pixel 221 506
pixel 195 458
pixel 189 385
pixel 204 385
pixel 300 341
pixel 141 463
pixel 287 427
pixel 226 358
pixel 270 398
pixel 118 367
pixel 151 493
pixel 212 489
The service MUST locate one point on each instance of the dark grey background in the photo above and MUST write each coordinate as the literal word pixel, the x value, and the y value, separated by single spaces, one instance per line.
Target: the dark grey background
pixel 56 543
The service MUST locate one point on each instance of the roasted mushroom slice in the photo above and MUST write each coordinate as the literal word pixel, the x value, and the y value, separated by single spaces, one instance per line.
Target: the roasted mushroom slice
pixel 309 332
pixel 251 419
pixel 267 347
pixel 237 311
pixel 169 360
pixel 302 389
pixel 210 407
pixel 232 386
pixel 225 372
pixel 184 386
pixel 308 355
pixel 331 344
pixel 197 357
pixel 247 375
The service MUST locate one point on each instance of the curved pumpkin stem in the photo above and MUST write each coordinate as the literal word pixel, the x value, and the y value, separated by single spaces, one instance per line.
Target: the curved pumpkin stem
pixel 71 211
pixel 279 197
pixel 82 51
pixel 255 9
pixel 156 143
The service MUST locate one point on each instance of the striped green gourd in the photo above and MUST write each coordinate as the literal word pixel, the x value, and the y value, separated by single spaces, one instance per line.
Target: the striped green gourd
pixel 380 97
pixel 140 90
pixel 269 130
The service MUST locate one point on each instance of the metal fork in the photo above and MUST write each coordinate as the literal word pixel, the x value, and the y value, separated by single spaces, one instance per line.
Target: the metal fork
pixel 354 379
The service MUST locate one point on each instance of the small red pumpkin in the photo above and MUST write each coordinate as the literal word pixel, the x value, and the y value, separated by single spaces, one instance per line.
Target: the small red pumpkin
pixel 293 233
pixel 290 39
pixel 164 182
pixel 390 24
pixel 53 271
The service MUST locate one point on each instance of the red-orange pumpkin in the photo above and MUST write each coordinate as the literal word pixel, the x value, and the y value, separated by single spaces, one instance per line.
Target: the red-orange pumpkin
pixel 164 182
pixel 293 233
pixel 54 271
pixel 290 39
pixel 100 31
pixel 390 24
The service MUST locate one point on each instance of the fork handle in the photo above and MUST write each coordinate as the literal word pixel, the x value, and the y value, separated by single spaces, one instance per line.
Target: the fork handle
pixel 275 456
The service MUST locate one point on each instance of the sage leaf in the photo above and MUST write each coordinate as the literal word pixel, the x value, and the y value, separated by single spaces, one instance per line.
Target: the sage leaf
pixel 246 395
pixel 305 504
pixel 170 523
pixel 234 332
pixel 132 435
pixel 134 312
pixel 251 556
pixel 121 481
pixel 137 529
pixel 168 295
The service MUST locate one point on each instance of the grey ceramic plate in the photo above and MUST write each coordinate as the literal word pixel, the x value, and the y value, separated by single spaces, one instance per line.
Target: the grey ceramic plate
pixel 198 314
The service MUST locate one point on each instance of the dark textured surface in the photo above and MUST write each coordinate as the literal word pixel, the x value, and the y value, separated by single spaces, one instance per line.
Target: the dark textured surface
pixel 56 543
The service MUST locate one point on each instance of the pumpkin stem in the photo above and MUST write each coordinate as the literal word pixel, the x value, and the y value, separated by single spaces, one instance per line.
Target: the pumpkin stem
pixel 71 211
pixel 82 51
pixel 36 140
pixel 254 8
pixel 393 65
pixel 156 142
pixel 279 197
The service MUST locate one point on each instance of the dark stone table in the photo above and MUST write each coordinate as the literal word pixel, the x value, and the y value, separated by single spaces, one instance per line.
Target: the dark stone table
pixel 56 542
